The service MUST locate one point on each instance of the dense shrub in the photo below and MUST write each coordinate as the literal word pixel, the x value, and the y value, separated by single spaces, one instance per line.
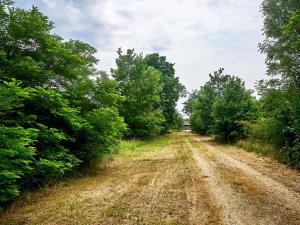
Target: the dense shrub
pixel 280 95
pixel 101 135
pixel 49 103
pixel 16 157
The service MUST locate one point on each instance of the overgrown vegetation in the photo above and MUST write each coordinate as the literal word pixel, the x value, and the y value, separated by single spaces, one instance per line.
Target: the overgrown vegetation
pixel 58 113
pixel 271 124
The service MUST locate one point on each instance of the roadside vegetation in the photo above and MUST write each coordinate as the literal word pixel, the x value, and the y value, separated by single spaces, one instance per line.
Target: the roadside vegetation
pixel 270 124
pixel 58 113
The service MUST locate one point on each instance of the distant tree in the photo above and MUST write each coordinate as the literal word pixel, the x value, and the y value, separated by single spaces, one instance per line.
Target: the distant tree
pixel 201 116
pixel 221 105
pixel 172 88
pixel 179 122
pixel 234 105
pixel 187 105
pixel 141 85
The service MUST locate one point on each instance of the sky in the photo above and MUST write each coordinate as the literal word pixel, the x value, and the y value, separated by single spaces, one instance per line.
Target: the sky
pixel 199 36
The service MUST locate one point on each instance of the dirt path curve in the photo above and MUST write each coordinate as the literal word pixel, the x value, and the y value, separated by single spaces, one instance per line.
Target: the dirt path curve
pixel 246 190
pixel 178 179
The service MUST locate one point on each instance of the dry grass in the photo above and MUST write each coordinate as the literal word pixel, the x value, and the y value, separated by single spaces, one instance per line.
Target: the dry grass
pixel 146 182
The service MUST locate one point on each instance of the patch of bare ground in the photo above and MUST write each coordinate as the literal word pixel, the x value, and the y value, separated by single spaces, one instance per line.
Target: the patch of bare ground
pixel 148 187
pixel 250 189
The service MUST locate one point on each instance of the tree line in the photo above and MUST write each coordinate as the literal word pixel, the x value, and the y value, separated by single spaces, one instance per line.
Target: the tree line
pixel 271 123
pixel 58 113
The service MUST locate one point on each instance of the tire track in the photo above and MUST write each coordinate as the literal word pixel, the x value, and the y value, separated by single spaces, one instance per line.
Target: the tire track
pixel 288 197
pixel 229 203
pixel 245 195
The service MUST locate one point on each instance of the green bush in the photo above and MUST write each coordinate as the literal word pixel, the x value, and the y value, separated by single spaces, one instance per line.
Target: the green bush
pixel 100 135
pixel 268 130
pixel 16 159
pixel 146 125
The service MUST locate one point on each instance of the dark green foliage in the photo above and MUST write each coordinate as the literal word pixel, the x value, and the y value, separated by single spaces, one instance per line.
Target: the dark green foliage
pixel 101 135
pixel 220 106
pixel 172 89
pixel 58 113
pixel 16 143
pixel 53 116
pixel 142 87
pixel 151 91
pixel 36 127
pixel 233 105
pixel 188 104
pixel 201 114
pixel 280 95
pixel 178 122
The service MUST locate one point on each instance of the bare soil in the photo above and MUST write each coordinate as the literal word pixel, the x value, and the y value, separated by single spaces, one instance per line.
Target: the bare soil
pixel 191 180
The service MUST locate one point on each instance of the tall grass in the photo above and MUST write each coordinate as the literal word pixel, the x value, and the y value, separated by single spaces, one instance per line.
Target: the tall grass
pixel 258 147
pixel 134 145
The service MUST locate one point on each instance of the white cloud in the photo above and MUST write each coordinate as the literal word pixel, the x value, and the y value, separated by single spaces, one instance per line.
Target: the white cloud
pixel 198 35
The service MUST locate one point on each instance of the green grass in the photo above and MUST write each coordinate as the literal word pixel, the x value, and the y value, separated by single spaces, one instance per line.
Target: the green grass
pixel 127 148
pixel 263 149
pixel 133 146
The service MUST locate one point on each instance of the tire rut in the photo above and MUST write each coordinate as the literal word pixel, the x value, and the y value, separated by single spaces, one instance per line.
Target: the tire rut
pixel 245 195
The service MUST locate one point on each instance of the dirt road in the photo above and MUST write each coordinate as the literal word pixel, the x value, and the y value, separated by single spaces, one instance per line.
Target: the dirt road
pixel 188 180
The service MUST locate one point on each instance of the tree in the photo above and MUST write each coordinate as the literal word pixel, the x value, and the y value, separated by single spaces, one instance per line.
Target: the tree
pixel 57 112
pixel 282 46
pixel 188 104
pixel 141 85
pixel 201 104
pixel 172 88
pixel 220 105
pixel 201 117
pixel 280 95
pixel 29 52
pixel 234 105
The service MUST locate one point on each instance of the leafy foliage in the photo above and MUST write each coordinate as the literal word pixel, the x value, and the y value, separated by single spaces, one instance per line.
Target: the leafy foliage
pixel 280 95
pixel 58 113
pixel 233 105
pixel 16 156
pixel 282 31
pixel 142 87
pixel 53 116
pixel 220 105
pixel 172 89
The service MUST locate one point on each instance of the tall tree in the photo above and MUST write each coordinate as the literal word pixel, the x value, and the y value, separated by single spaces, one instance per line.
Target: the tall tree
pixel 280 95
pixel 172 88
pixel 233 106
pixel 141 85
pixel 282 45
pixel 56 111
pixel 220 105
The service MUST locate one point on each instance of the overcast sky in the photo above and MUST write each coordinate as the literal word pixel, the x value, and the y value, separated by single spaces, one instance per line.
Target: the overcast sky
pixel 199 36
